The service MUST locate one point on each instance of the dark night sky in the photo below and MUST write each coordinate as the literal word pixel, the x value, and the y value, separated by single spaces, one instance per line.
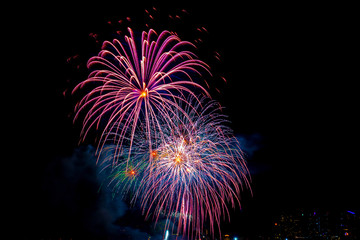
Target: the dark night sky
pixel 291 87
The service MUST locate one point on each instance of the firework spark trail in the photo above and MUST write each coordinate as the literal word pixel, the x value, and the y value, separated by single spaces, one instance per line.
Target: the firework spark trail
pixel 126 173
pixel 125 176
pixel 128 88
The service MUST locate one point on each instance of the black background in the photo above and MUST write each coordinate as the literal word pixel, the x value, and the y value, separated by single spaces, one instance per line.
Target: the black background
pixel 291 79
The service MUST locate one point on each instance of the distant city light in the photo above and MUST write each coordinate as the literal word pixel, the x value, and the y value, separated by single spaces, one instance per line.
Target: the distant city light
pixel 312 224
pixel 235 238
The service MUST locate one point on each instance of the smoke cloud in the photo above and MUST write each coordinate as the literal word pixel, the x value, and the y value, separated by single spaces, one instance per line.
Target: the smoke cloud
pixel 250 145
pixel 79 203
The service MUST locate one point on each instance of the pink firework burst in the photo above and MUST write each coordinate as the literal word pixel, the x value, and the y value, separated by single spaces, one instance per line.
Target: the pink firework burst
pixel 197 171
pixel 135 81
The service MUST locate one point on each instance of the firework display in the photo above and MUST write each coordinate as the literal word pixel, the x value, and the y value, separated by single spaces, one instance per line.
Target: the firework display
pixel 197 170
pixel 137 82
pixel 165 143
